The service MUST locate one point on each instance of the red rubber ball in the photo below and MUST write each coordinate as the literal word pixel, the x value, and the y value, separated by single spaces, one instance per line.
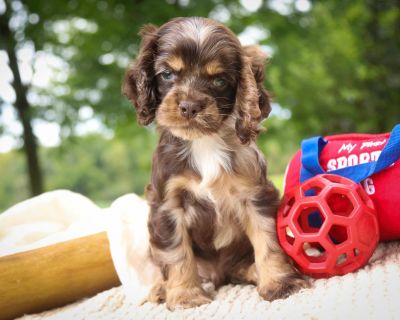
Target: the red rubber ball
pixel 328 226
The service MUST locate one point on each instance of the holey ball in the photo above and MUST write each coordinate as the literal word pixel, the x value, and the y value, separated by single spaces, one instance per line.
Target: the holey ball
pixel 328 226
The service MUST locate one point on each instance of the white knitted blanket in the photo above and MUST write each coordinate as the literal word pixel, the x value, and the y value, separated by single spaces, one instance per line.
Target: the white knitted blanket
pixel 371 293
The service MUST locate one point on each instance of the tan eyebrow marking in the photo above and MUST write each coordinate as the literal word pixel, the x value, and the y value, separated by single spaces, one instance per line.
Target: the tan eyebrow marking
pixel 213 67
pixel 176 63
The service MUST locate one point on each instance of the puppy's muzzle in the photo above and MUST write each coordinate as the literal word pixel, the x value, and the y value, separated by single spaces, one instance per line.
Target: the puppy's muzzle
pixel 190 109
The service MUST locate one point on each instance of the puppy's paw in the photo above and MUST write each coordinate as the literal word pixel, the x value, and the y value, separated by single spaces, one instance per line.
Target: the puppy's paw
pixel 282 288
pixel 183 298
pixel 157 293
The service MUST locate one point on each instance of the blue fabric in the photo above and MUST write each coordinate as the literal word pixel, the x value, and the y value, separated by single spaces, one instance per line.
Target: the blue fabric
pixel 311 150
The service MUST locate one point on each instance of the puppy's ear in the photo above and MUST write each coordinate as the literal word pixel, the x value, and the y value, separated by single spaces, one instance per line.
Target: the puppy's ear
pixel 140 84
pixel 252 101
pixel 258 61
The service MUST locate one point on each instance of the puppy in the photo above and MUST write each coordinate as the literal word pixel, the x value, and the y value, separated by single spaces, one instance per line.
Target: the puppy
pixel 212 208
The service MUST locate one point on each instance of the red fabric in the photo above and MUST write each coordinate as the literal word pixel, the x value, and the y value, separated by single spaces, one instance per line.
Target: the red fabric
pixel 383 188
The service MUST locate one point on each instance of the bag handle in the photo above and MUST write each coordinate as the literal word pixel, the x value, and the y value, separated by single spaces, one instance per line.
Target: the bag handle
pixel 311 149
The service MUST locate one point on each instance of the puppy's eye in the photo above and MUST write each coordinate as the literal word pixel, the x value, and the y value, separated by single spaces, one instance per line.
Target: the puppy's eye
pixel 168 75
pixel 219 82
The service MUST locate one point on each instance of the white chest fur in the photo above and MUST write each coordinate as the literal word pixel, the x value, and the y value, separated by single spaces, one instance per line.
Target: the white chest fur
pixel 210 155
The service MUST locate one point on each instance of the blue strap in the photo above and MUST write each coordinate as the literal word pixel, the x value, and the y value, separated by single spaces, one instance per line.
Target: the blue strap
pixel 311 150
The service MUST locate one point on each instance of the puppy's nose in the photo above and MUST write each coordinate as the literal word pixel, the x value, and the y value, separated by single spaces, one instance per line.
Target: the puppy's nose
pixel 189 109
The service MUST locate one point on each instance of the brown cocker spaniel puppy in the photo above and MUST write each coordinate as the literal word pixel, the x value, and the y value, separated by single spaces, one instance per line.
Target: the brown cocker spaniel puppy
pixel 212 208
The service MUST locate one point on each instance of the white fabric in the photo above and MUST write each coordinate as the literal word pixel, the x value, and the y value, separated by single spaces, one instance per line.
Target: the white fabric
pixel 370 293
pixel 64 215
pixel 46 219
pixel 129 243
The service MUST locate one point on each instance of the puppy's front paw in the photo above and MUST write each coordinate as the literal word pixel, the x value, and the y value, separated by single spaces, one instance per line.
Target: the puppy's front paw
pixel 282 288
pixel 157 293
pixel 186 298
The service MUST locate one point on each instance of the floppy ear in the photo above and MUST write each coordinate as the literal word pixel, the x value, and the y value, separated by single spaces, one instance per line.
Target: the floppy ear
pixel 140 84
pixel 252 100
pixel 258 61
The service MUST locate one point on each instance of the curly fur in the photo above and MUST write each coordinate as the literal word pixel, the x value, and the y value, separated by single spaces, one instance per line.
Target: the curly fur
pixel 212 207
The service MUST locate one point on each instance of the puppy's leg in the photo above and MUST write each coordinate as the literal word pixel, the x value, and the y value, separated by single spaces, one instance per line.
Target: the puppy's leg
pixel 183 284
pixel 183 289
pixel 172 249
pixel 276 276
pixel 245 273
pixel 157 293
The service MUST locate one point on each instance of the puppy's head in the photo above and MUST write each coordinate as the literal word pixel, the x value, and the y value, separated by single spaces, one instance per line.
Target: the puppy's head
pixel 192 74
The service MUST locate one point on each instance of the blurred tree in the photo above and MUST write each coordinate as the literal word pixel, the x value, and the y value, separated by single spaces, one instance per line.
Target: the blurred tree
pixel 380 40
pixel 336 65
pixel 99 168
pixel 13 180
pixel 22 105
pixel 334 68
pixel 94 41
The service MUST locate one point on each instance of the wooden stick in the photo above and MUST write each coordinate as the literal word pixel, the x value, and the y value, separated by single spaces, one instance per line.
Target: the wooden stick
pixel 55 275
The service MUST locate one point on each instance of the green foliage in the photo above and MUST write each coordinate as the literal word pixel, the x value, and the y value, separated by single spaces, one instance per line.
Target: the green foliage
pixel 100 168
pixel 335 68
pixel 277 180
pixel 97 39
pixel 278 143
pixel 13 183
